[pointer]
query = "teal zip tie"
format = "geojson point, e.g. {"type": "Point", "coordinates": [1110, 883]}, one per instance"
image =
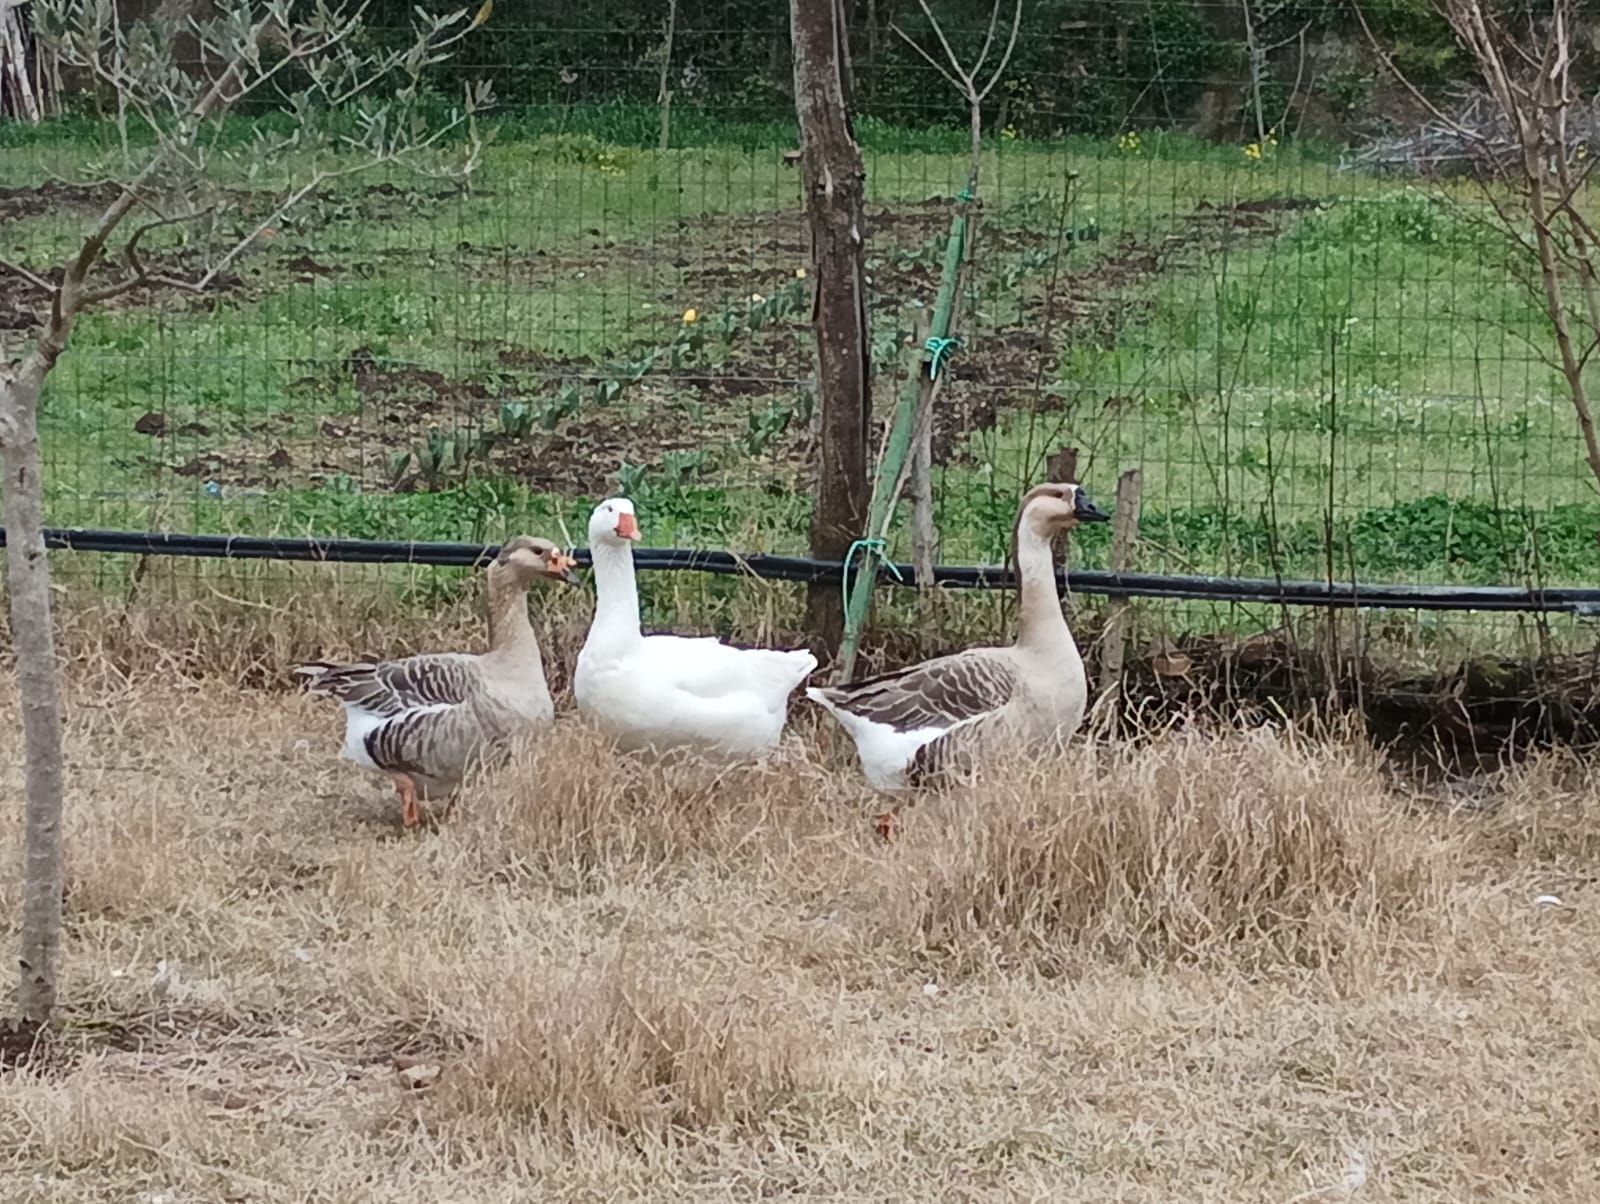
{"type": "Point", "coordinates": [865, 545]}
{"type": "Point", "coordinates": [940, 350]}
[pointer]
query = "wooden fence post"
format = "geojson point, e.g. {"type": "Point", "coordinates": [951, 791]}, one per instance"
{"type": "Point", "coordinates": [1119, 613]}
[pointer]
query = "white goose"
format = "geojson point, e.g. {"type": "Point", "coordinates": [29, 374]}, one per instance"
{"type": "Point", "coordinates": [915, 723]}
{"type": "Point", "coordinates": [666, 691]}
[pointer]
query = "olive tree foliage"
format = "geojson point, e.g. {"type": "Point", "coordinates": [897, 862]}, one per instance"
{"type": "Point", "coordinates": [181, 176]}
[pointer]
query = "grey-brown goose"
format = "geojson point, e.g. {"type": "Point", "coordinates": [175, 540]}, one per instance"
{"type": "Point", "coordinates": [915, 723]}
{"type": "Point", "coordinates": [425, 720]}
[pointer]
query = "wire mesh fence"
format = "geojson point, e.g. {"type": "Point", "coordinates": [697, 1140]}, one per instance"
{"type": "Point", "coordinates": [1321, 371]}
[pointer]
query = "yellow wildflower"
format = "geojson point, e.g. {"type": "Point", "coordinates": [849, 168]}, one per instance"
{"type": "Point", "coordinates": [799, 273]}
{"type": "Point", "coordinates": [691, 316]}
{"type": "Point", "coordinates": [1253, 152]}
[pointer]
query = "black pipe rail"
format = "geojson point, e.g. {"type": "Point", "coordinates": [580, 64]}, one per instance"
{"type": "Point", "coordinates": [1344, 594]}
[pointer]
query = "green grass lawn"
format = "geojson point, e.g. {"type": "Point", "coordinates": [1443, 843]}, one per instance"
{"type": "Point", "coordinates": [1287, 351]}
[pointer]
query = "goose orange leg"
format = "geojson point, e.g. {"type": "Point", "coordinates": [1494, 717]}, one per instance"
{"type": "Point", "coordinates": [410, 814]}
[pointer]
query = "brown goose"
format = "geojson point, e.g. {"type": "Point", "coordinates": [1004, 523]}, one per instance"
{"type": "Point", "coordinates": [426, 719]}
{"type": "Point", "coordinates": [913, 724]}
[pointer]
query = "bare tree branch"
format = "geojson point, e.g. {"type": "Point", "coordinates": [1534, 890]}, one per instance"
{"type": "Point", "coordinates": [1404, 81]}
{"type": "Point", "coordinates": [988, 41]}
{"type": "Point", "coordinates": [1005, 59]}
{"type": "Point", "coordinates": [38, 282]}
{"type": "Point", "coordinates": [938, 32]}
{"type": "Point", "coordinates": [935, 63]}
{"type": "Point", "coordinates": [964, 80]}
{"type": "Point", "coordinates": [141, 277]}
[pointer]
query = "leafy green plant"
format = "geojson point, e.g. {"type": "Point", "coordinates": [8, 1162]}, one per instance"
{"type": "Point", "coordinates": [583, 150]}
{"type": "Point", "coordinates": [887, 344]}
{"type": "Point", "coordinates": [563, 405]}
{"type": "Point", "coordinates": [437, 458]}
{"type": "Point", "coordinates": [632, 479]}
{"type": "Point", "coordinates": [805, 405]}
{"type": "Point", "coordinates": [764, 426]}
{"type": "Point", "coordinates": [930, 253]}
{"type": "Point", "coordinates": [680, 468]}
{"type": "Point", "coordinates": [1347, 90]}
{"type": "Point", "coordinates": [517, 419]}
{"type": "Point", "coordinates": [443, 457]}
{"type": "Point", "coordinates": [397, 464]}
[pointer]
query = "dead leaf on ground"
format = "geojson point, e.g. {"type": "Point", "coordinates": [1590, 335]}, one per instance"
{"type": "Point", "coordinates": [416, 1073]}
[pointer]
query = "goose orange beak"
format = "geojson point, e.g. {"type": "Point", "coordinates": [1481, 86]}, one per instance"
{"type": "Point", "coordinates": [561, 568]}
{"type": "Point", "coordinates": [627, 527]}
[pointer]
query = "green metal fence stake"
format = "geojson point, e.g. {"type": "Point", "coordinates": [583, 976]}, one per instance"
{"type": "Point", "coordinates": [870, 550]}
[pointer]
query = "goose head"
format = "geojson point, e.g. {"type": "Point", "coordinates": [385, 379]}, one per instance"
{"type": "Point", "coordinates": [1052, 508]}
{"type": "Point", "coordinates": [613, 524]}
{"type": "Point", "coordinates": [526, 559]}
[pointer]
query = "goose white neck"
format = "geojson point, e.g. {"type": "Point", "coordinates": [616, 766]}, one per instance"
{"type": "Point", "coordinates": [1042, 621]}
{"type": "Point", "coordinates": [616, 603]}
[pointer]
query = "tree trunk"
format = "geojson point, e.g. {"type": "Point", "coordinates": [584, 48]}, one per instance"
{"type": "Point", "coordinates": [1216, 112]}
{"type": "Point", "coordinates": [19, 95]}
{"type": "Point", "coordinates": [664, 91]}
{"type": "Point", "coordinates": [33, 638]}
{"type": "Point", "coordinates": [835, 190]}
{"type": "Point", "coordinates": [847, 70]}
{"type": "Point", "coordinates": [1119, 615]}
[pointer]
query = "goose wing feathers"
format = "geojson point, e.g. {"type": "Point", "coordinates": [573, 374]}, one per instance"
{"type": "Point", "coordinates": [943, 693]}
{"type": "Point", "coordinates": [388, 689]}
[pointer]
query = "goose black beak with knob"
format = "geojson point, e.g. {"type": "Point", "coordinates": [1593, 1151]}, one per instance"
{"type": "Point", "coordinates": [1084, 509]}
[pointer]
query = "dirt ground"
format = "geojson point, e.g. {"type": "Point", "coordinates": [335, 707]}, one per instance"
{"type": "Point", "coordinates": [1193, 968]}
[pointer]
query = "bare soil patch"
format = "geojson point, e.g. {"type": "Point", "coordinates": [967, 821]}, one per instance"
{"type": "Point", "coordinates": [51, 197]}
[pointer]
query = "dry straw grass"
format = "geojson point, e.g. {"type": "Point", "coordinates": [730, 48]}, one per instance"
{"type": "Point", "coordinates": [1181, 846]}
{"type": "Point", "coordinates": [1198, 966]}
{"type": "Point", "coordinates": [646, 1061]}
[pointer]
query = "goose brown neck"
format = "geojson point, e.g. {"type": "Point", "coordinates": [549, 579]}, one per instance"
{"type": "Point", "coordinates": [509, 628]}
